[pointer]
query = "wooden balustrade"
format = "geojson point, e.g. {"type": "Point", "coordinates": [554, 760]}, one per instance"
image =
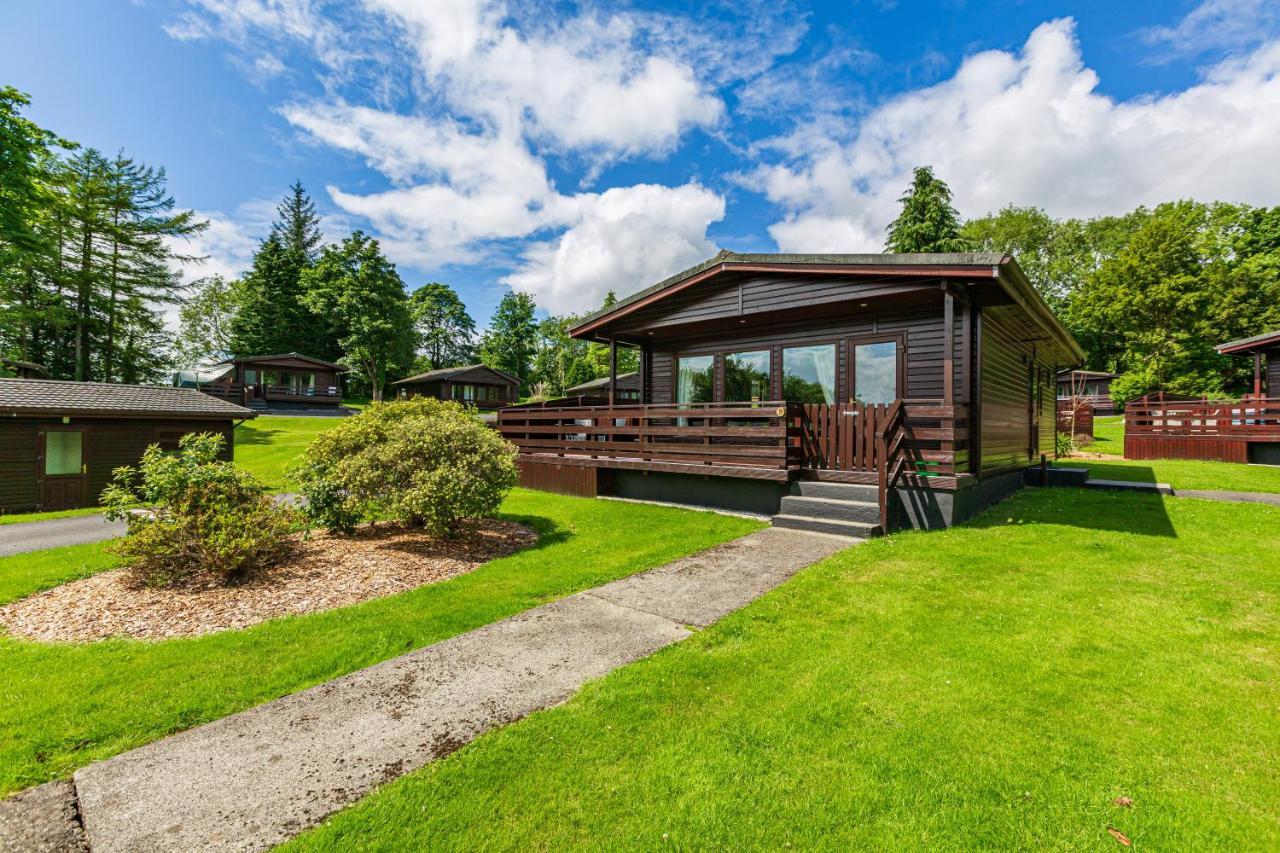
{"type": "Point", "coordinates": [1157, 427]}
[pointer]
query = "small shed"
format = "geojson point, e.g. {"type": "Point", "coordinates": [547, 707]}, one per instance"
{"type": "Point", "coordinates": [628, 388]}
{"type": "Point", "coordinates": [23, 369]}
{"type": "Point", "coordinates": [1087, 386]}
{"type": "Point", "coordinates": [60, 441]}
{"type": "Point", "coordinates": [481, 386]}
{"type": "Point", "coordinates": [1265, 350]}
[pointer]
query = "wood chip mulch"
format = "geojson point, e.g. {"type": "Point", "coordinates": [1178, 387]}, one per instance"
{"type": "Point", "coordinates": [327, 571]}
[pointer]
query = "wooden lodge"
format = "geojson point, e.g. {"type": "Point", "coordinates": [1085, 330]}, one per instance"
{"type": "Point", "coordinates": [1087, 386]}
{"type": "Point", "coordinates": [626, 389]}
{"type": "Point", "coordinates": [927, 379]}
{"type": "Point", "coordinates": [62, 440]}
{"type": "Point", "coordinates": [1162, 426]}
{"type": "Point", "coordinates": [486, 388]}
{"type": "Point", "coordinates": [285, 381]}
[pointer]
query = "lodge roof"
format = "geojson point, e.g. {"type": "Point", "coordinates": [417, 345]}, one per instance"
{"type": "Point", "coordinates": [1096, 374]}
{"type": "Point", "coordinates": [443, 373]}
{"type": "Point", "coordinates": [244, 359]}
{"type": "Point", "coordinates": [626, 382]}
{"type": "Point", "coordinates": [992, 265]}
{"type": "Point", "coordinates": [1266, 340]}
{"type": "Point", "coordinates": [57, 397]}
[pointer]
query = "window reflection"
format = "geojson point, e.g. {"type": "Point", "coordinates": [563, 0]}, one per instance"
{"type": "Point", "coordinates": [875, 371]}
{"type": "Point", "coordinates": [695, 378]}
{"type": "Point", "coordinates": [809, 374]}
{"type": "Point", "coordinates": [746, 376]}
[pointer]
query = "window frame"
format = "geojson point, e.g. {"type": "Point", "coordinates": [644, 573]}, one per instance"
{"type": "Point", "coordinates": [851, 367]}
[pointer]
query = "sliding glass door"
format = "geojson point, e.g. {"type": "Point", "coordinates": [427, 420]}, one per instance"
{"type": "Point", "coordinates": [809, 374]}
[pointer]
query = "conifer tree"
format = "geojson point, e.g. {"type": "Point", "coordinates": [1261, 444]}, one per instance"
{"type": "Point", "coordinates": [446, 330]}
{"type": "Point", "coordinates": [297, 225]}
{"type": "Point", "coordinates": [928, 222]}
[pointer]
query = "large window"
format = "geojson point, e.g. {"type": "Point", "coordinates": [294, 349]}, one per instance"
{"type": "Point", "coordinates": [62, 452]}
{"type": "Point", "coordinates": [746, 376]}
{"type": "Point", "coordinates": [875, 372]}
{"type": "Point", "coordinates": [809, 374]}
{"type": "Point", "coordinates": [695, 378]}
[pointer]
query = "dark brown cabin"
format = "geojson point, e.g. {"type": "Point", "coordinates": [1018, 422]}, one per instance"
{"type": "Point", "coordinates": [1265, 351]}
{"type": "Point", "coordinates": [285, 381]}
{"type": "Point", "coordinates": [60, 441]}
{"type": "Point", "coordinates": [486, 388]}
{"type": "Point", "coordinates": [1087, 386]}
{"type": "Point", "coordinates": [627, 389]}
{"type": "Point", "coordinates": [927, 380]}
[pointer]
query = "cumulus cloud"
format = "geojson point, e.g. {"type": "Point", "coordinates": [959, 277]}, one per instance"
{"type": "Point", "coordinates": [1216, 25]}
{"type": "Point", "coordinates": [620, 240]}
{"type": "Point", "coordinates": [1031, 128]}
{"type": "Point", "coordinates": [226, 246]}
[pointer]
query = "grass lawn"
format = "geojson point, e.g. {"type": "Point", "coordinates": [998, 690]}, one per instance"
{"type": "Point", "coordinates": [996, 685]}
{"type": "Point", "coordinates": [19, 517]}
{"type": "Point", "coordinates": [64, 706]}
{"type": "Point", "coordinates": [1108, 435]}
{"type": "Point", "coordinates": [1183, 473]}
{"type": "Point", "coordinates": [267, 445]}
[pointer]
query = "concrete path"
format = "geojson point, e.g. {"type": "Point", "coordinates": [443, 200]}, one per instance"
{"type": "Point", "coordinates": [257, 778]}
{"type": "Point", "coordinates": [1233, 497]}
{"type": "Point", "coordinates": [56, 532]}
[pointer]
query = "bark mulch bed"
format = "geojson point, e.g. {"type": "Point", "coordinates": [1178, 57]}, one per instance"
{"type": "Point", "coordinates": [327, 571]}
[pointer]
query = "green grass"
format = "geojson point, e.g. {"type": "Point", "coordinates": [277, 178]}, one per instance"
{"type": "Point", "coordinates": [996, 685]}
{"type": "Point", "coordinates": [1108, 436]}
{"type": "Point", "coordinates": [266, 446]}
{"type": "Point", "coordinates": [1183, 473]}
{"type": "Point", "coordinates": [20, 517]}
{"type": "Point", "coordinates": [64, 706]}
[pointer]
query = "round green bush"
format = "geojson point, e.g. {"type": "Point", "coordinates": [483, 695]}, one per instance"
{"type": "Point", "coordinates": [422, 462]}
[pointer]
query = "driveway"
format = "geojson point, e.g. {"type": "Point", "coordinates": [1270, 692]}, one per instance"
{"type": "Point", "coordinates": [56, 532]}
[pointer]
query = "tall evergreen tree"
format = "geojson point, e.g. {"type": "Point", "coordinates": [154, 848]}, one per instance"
{"type": "Point", "coordinates": [446, 330]}
{"type": "Point", "coordinates": [928, 222]}
{"type": "Point", "coordinates": [297, 224]}
{"type": "Point", "coordinates": [509, 342]}
{"type": "Point", "coordinates": [361, 292]}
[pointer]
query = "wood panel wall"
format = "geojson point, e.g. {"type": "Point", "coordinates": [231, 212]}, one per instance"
{"type": "Point", "coordinates": [921, 324]}
{"type": "Point", "coordinates": [1007, 361]}
{"type": "Point", "coordinates": [109, 444]}
{"type": "Point", "coordinates": [1210, 448]}
{"type": "Point", "coordinates": [579, 481]}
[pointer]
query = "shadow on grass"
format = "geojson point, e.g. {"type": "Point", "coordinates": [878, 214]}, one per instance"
{"type": "Point", "coordinates": [1139, 513]}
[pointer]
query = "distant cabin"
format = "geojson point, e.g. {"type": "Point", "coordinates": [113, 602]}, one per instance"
{"type": "Point", "coordinates": [1088, 386]}
{"type": "Point", "coordinates": [14, 368]}
{"type": "Point", "coordinates": [283, 382]}
{"type": "Point", "coordinates": [62, 440]}
{"type": "Point", "coordinates": [1264, 349]}
{"type": "Point", "coordinates": [628, 388]}
{"type": "Point", "coordinates": [486, 388]}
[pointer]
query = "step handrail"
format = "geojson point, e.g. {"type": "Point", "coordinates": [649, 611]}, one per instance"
{"type": "Point", "coordinates": [890, 458]}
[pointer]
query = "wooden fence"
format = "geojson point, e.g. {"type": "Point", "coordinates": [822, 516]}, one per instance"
{"type": "Point", "coordinates": [1157, 427]}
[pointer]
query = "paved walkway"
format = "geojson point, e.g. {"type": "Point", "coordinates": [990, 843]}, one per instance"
{"type": "Point", "coordinates": [1234, 497]}
{"type": "Point", "coordinates": [56, 532]}
{"type": "Point", "coordinates": [257, 778]}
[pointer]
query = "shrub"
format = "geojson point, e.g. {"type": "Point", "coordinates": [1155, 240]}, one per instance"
{"type": "Point", "coordinates": [422, 462]}
{"type": "Point", "coordinates": [199, 516]}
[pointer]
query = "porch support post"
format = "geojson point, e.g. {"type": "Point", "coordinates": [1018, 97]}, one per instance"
{"type": "Point", "coordinates": [949, 347]}
{"type": "Point", "coordinates": [644, 373]}
{"type": "Point", "coordinates": [613, 371]}
{"type": "Point", "coordinates": [1257, 374]}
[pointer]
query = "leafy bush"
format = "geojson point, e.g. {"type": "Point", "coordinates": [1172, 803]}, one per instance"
{"type": "Point", "coordinates": [422, 462]}
{"type": "Point", "coordinates": [198, 516]}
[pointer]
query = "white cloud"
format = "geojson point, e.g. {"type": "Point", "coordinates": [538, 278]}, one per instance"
{"type": "Point", "coordinates": [1217, 25]}
{"type": "Point", "coordinates": [623, 239]}
{"type": "Point", "coordinates": [1031, 128]}
{"type": "Point", "coordinates": [227, 244]}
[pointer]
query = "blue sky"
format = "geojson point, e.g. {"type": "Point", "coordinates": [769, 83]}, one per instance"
{"type": "Point", "coordinates": [567, 149]}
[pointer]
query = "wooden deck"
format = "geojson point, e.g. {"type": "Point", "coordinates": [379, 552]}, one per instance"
{"type": "Point", "coordinates": [1160, 428]}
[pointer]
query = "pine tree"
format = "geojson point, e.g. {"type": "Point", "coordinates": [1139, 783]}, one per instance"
{"type": "Point", "coordinates": [271, 304]}
{"type": "Point", "coordinates": [928, 222]}
{"type": "Point", "coordinates": [297, 225]}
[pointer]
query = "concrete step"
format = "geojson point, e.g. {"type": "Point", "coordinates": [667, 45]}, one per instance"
{"type": "Point", "coordinates": [867, 512]}
{"type": "Point", "coordinates": [851, 529]}
{"type": "Point", "coordinates": [839, 491]}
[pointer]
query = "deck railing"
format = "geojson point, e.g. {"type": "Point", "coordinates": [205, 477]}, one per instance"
{"type": "Point", "coordinates": [734, 439]}
{"type": "Point", "coordinates": [1250, 418]}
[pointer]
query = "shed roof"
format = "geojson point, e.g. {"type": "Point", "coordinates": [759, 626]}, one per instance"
{"type": "Point", "coordinates": [443, 373]}
{"type": "Point", "coordinates": [1094, 374]}
{"type": "Point", "coordinates": [989, 265]}
{"type": "Point", "coordinates": [104, 399]}
{"type": "Point", "coordinates": [1266, 340]}
{"type": "Point", "coordinates": [15, 364]}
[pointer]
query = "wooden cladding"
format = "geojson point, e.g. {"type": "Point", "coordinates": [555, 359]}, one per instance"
{"type": "Point", "coordinates": [1159, 428]}
{"type": "Point", "coordinates": [1081, 423]}
{"type": "Point", "coordinates": [579, 481]}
